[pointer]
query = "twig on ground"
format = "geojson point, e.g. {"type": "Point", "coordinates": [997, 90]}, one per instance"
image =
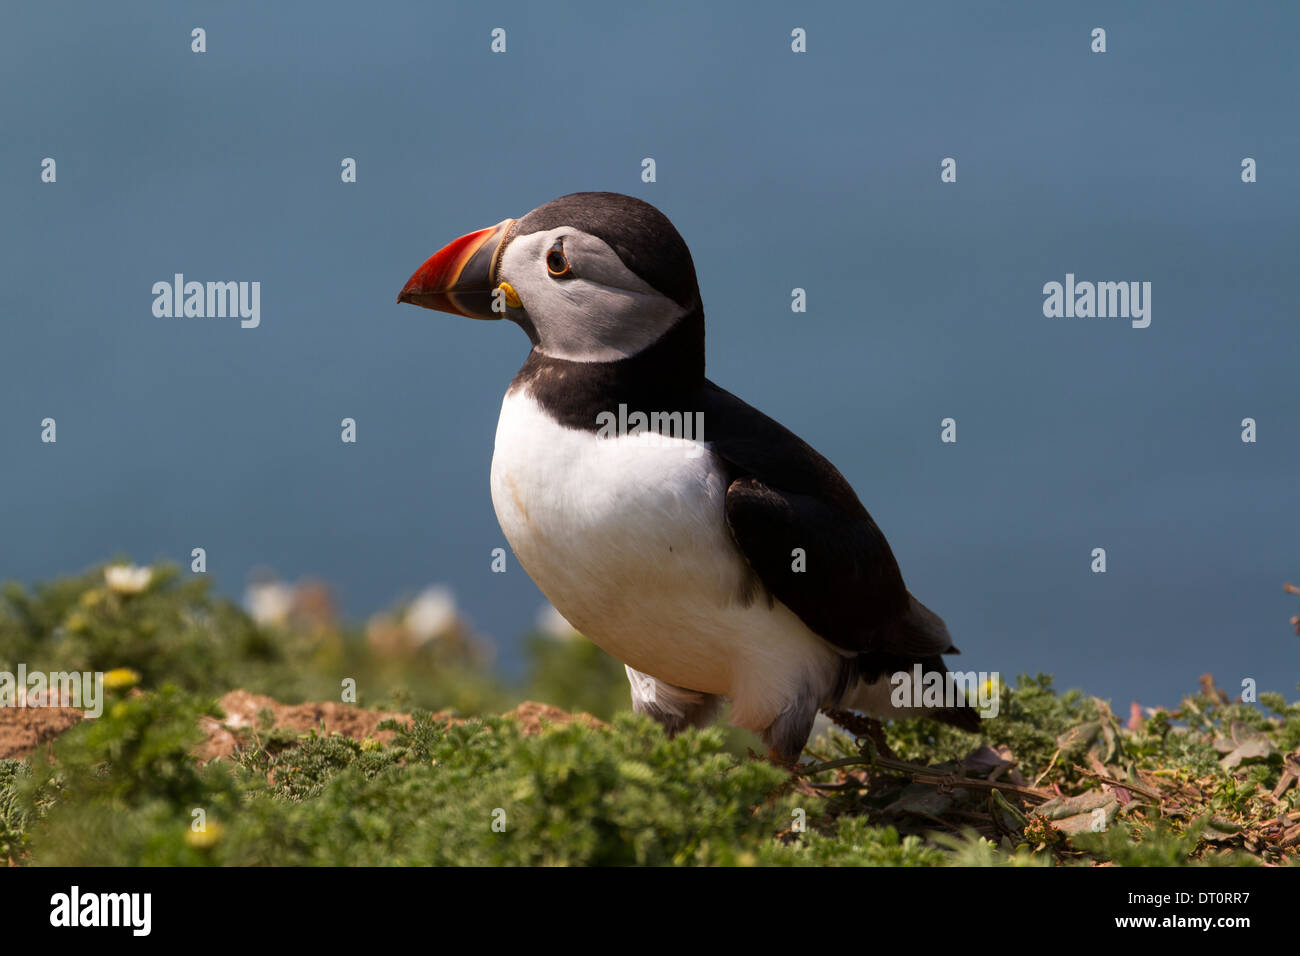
{"type": "Point", "coordinates": [924, 775]}
{"type": "Point", "coordinates": [1149, 794]}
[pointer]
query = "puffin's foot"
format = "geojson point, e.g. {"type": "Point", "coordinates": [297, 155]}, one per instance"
{"type": "Point", "coordinates": [775, 759]}
{"type": "Point", "coordinates": [862, 726]}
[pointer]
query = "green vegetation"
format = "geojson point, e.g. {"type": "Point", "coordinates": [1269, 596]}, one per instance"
{"type": "Point", "coordinates": [1056, 779]}
{"type": "Point", "coordinates": [175, 631]}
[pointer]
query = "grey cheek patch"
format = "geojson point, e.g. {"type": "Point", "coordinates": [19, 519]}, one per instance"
{"type": "Point", "coordinates": [603, 314]}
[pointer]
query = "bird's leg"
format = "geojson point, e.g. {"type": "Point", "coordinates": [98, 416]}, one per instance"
{"type": "Point", "coordinates": [876, 734]}
{"type": "Point", "coordinates": [785, 737]}
{"type": "Point", "coordinates": [863, 727]}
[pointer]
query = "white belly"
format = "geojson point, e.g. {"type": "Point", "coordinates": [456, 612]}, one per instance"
{"type": "Point", "coordinates": [629, 541]}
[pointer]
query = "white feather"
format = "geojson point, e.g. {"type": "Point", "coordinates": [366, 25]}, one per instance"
{"type": "Point", "coordinates": [628, 540]}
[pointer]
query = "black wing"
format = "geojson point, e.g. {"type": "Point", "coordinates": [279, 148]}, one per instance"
{"type": "Point", "coordinates": [783, 500]}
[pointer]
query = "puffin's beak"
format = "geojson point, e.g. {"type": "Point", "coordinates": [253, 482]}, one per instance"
{"type": "Point", "coordinates": [460, 277]}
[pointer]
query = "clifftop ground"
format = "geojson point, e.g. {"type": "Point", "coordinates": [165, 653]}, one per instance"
{"type": "Point", "coordinates": [224, 741]}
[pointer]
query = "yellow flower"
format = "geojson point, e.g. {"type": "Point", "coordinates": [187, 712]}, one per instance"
{"type": "Point", "coordinates": [121, 677]}
{"type": "Point", "coordinates": [206, 838]}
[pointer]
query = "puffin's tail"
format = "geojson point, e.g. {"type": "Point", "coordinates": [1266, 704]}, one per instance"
{"type": "Point", "coordinates": [887, 684]}
{"type": "Point", "coordinates": [887, 688]}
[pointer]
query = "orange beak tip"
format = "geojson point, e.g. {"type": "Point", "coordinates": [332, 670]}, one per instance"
{"type": "Point", "coordinates": [457, 278]}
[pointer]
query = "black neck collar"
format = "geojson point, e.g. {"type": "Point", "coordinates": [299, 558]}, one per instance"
{"type": "Point", "coordinates": [667, 376]}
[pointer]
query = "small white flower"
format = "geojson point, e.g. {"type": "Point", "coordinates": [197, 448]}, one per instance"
{"type": "Point", "coordinates": [431, 614]}
{"type": "Point", "coordinates": [127, 578]}
{"type": "Point", "coordinates": [269, 602]}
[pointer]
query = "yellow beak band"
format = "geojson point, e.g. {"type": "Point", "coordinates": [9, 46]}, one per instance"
{"type": "Point", "coordinates": [512, 299]}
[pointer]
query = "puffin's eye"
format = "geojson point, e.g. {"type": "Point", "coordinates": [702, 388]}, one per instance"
{"type": "Point", "coordinates": [557, 263]}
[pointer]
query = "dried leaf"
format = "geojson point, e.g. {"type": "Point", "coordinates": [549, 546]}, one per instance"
{"type": "Point", "coordinates": [1252, 746]}
{"type": "Point", "coordinates": [1291, 763]}
{"type": "Point", "coordinates": [921, 798]}
{"type": "Point", "coordinates": [1059, 808]}
{"type": "Point", "coordinates": [985, 761]}
{"type": "Point", "coordinates": [1087, 813]}
{"type": "Point", "coordinates": [1284, 784]}
{"type": "Point", "coordinates": [1243, 732]}
{"type": "Point", "coordinates": [1079, 736]}
{"type": "Point", "coordinates": [1219, 829]}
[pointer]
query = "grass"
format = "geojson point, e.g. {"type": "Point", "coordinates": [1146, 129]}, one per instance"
{"type": "Point", "coordinates": [1056, 779]}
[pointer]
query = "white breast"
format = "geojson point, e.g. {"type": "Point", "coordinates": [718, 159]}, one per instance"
{"type": "Point", "coordinates": [628, 539]}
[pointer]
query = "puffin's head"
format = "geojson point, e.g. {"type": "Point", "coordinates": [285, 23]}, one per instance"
{"type": "Point", "coordinates": [591, 277]}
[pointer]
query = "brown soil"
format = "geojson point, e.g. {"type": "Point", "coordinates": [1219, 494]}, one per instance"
{"type": "Point", "coordinates": [23, 729]}
{"type": "Point", "coordinates": [530, 715]}
{"type": "Point", "coordinates": [242, 710]}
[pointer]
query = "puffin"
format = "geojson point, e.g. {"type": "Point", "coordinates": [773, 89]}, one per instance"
{"type": "Point", "coordinates": [705, 546]}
